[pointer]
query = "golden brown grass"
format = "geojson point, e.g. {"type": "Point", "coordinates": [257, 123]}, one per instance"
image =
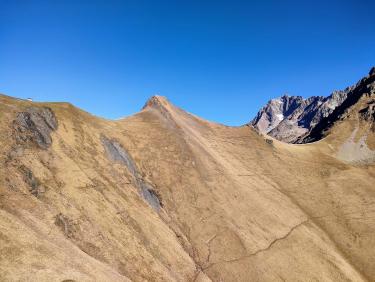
{"type": "Point", "coordinates": [235, 207]}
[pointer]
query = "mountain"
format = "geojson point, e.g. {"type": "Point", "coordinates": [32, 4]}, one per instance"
{"type": "Point", "coordinates": [164, 195]}
{"type": "Point", "coordinates": [291, 118]}
{"type": "Point", "coordinates": [288, 117]}
{"type": "Point", "coordinates": [363, 90]}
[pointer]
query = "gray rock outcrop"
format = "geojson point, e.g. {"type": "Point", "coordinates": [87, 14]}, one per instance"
{"type": "Point", "coordinates": [291, 118]}
{"type": "Point", "coordinates": [34, 126]}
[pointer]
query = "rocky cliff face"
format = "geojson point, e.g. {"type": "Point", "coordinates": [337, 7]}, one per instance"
{"type": "Point", "coordinates": [296, 124]}
{"type": "Point", "coordinates": [365, 87]}
{"type": "Point", "coordinates": [298, 121]}
{"type": "Point", "coordinates": [276, 110]}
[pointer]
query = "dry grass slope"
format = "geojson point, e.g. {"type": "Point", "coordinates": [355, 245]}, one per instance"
{"type": "Point", "coordinates": [166, 196]}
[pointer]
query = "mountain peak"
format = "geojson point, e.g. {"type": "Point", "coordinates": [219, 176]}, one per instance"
{"type": "Point", "coordinates": [163, 106]}
{"type": "Point", "coordinates": [156, 101]}
{"type": "Point", "coordinates": [275, 111]}
{"type": "Point", "coordinates": [292, 118]}
{"type": "Point", "coordinates": [288, 117]}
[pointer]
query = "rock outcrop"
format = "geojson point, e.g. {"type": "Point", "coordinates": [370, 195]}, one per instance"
{"type": "Point", "coordinates": [276, 110]}
{"type": "Point", "coordinates": [365, 87]}
{"type": "Point", "coordinates": [34, 125]}
{"type": "Point", "coordinates": [117, 153]}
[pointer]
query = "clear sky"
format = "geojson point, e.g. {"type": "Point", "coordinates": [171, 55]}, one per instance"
{"type": "Point", "coordinates": [221, 60]}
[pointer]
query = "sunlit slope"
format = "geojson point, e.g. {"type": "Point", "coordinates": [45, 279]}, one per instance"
{"type": "Point", "coordinates": [268, 190]}
{"type": "Point", "coordinates": [166, 196]}
{"type": "Point", "coordinates": [87, 221]}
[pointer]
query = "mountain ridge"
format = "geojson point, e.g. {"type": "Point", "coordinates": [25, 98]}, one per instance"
{"type": "Point", "coordinates": [164, 195]}
{"type": "Point", "coordinates": [294, 126]}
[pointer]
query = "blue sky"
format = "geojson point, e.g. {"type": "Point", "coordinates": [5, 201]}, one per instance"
{"type": "Point", "coordinates": [221, 60]}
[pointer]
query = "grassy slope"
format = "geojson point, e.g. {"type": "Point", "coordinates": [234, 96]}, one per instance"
{"type": "Point", "coordinates": [234, 207]}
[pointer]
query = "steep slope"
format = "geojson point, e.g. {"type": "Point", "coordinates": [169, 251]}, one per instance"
{"type": "Point", "coordinates": [70, 210]}
{"type": "Point", "coordinates": [166, 196]}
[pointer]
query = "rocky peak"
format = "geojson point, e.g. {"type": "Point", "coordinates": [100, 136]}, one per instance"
{"type": "Point", "coordinates": [275, 111]}
{"type": "Point", "coordinates": [292, 118]}
{"type": "Point", "coordinates": [289, 117]}
{"type": "Point", "coordinates": [280, 109]}
{"type": "Point", "coordinates": [344, 100]}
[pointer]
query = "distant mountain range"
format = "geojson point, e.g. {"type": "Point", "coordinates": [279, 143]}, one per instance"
{"type": "Point", "coordinates": [293, 119]}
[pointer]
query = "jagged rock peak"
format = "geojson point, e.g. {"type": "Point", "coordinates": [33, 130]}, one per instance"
{"type": "Point", "coordinates": [291, 118]}
{"type": "Point", "coordinates": [287, 117]}
{"type": "Point", "coordinates": [276, 110]}
{"type": "Point", "coordinates": [352, 95]}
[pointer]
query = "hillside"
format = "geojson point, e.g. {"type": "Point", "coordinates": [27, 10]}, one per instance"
{"type": "Point", "coordinates": [166, 196]}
